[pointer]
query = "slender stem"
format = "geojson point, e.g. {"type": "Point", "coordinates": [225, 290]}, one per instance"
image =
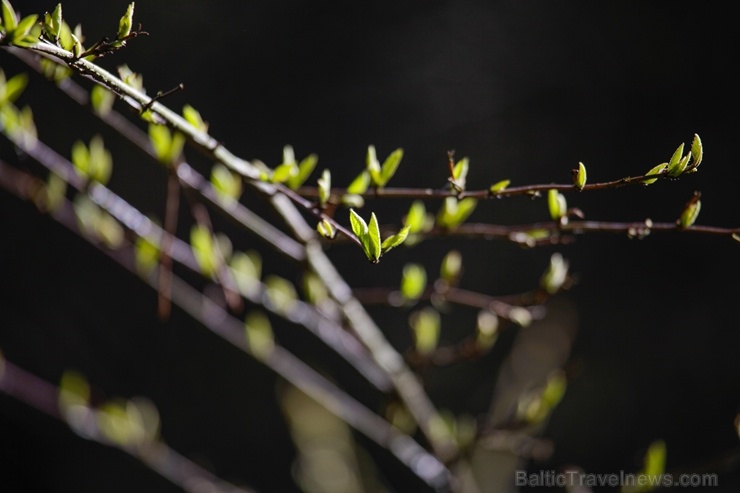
{"type": "Point", "coordinates": [444, 192]}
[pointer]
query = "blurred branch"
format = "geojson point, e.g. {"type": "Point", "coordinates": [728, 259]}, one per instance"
{"type": "Point", "coordinates": [406, 383]}
{"type": "Point", "coordinates": [278, 359]}
{"type": "Point", "coordinates": [153, 453]}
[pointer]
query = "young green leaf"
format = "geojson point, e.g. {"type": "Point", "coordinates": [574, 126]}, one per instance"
{"type": "Point", "coordinates": [101, 163]}
{"type": "Point", "coordinates": [204, 249]}
{"type": "Point", "coordinates": [359, 226]}
{"type": "Point", "coordinates": [109, 231]}
{"type": "Point", "coordinates": [23, 29]}
{"type": "Point", "coordinates": [390, 165]}
{"type": "Point", "coordinates": [324, 187]}
{"type": "Point", "coordinates": [499, 186]}
{"type": "Point", "coordinates": [314, 289]}
{"type": "Point", "coordinates": [54, 22]}
{"type": "Point", "coordinates": [454, 212]}
{"type": "Point", "coordinates": [373, 166]}
{"type": "Point", "coordinates": [655, 458]}
{"type": "Point", "coordinates": [416, 217]}
{"type": "Point", "coordinates": [359, 184]}
{"type": "Point", "coordinates": [656, 170]}
{"type": "Point", "coordinates": [102, 100]}
{"type": "Point", "coordinates": [426, 327]}
{"type": "Point", "coordinates": [697, 152]}
{"type": "Point", "coordinates": [281, 292]}
{"type": "Point", "coordinates": [125, 23]}
{"type": "Point", "coordinates": [556, 274]}
{"type": "Point", "coordinates": [556, 204]}
{"type": "Point", "coordinates": [10, 19]}
{"type": "Point", "coordinates": [146, 254]}
{"type": "Point", "coordinates": [12, 88]}
{"type": "Point", "coordinates": [56, 190]}
{"type": "Point", "coordinates": [486, 329]}
{"type": "Point", "coordinates": [460, 172]}
{"type": "Point", "coordinates": [259, 334]}
{"type": "Point", "coordinates": [76, 46]}
{"type": "Point", "coordinates": [373, 233]}
{"type": "Point", "coordinates": [246, 268]}
{"type": "Point", "coordinates": [326, 229]}
{"type": "Point", "coordinates": [690, 212]}
{"type": "Point", "coordinates": [451, 266]}
{"type": "Point", "coordinates": [226, 183]}
{"type": "Point", "coordinates": [193, 117]}
{"type": "Point", "coordinates": [353, 200]}
{"type": "Point", "coordinates": [413, 281]}
{"type": "Point", "coordinates": [305, 168]}
{"type": "Point", "coordinates": [161, 139]}
{"type": "Point", "coordinates": [677, 154]}
{"type": "Point", "coordinates": [677, 164]}
{"type": "Point", "coordinates": [284, 172]}
{"type": "Point", "coordinates": [394, 240]}
{"type": "Point", "coordinates": [579, 176]}
{"type": "Point", "coordinates": [81, 158]}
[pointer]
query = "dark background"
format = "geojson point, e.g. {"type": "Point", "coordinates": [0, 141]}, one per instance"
{"type": "Point", "coordinates": [526, 90]}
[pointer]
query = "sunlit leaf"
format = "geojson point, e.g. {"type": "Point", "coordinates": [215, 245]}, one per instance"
{"type": "Point", "coordinates": [102, 100]}
{"type": "Point", "coordinates": [697, 152]}
{"type": "Point", "coordinates": [426, 326]}
{"type": "Point", "coordinates": [460, 172]}
{"type": "Point", "coordinates": [194, 118]}
{"type": "Point", "coordinates": [259, 334]}
{"type": "Point", "coordinates": [146, 254]}
{"type": "Point", "coordinates": [556, 274]}
{"type": "Point", "coordinates": [690, 212]}
{"type": "Point", "coordinates": [499, 186]}
{"type": "Point", "coordinates": [226, 183]}
{"type": "Point", "coordinates": [353, 200]}
{"type": "Point", "coordinates": [125, 23]}
{"type": "Point", "coordinates": [359, 226]}
{"type": "Point", "coordinates": [324, 187]}
{"type": "Point", "coordinates": [204, 249]}
{"type": "Point", "coordinates": [281, 292]}
{"type": "Point", "coordinates": [579, 176]}
{"type": "Point", "coordinates": [10, 19]}
{"type": "Point", "coordinates": [246, 269]}
{"type": "Point", "coordinates": [677, 165]}
{"type": "Point", "coordinates": [413, 281]}
{"type": "Point", "coordinates": [486, 329]}
{"type": "Point", "coordinates": [24, 28]}
{"type": "Point", "coordinates": [390, 165]}
{"type": "Point", "coordinates": [326, 229]}
{"type": "Point", "coordinates": [284, 172]}
{"type": "Point", "coordinates": [373, 166]}
{"type": "Point", "coordinates": [101, 162]}
{"type": "Point", "coordinates": [359, 184]}
{"type": "Point", "coordinates": [416, 217]}
{"type": "Point", "coordinates": [53, 24]}
{"type": "Point", "coordinates": [395, 240]}
{"type": "Point", "coordinates": [451, 267]}
{"type": "Point", "coordinates": [556, 204]}
{"type": "Point", "coordinates": [454, 212]}
{"type": "Point", "coordinates": [305, 168]}
{"type": "Point", "coordinates": [373, 233]}
{"type": "Point", "coordinates": [655, 170]}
